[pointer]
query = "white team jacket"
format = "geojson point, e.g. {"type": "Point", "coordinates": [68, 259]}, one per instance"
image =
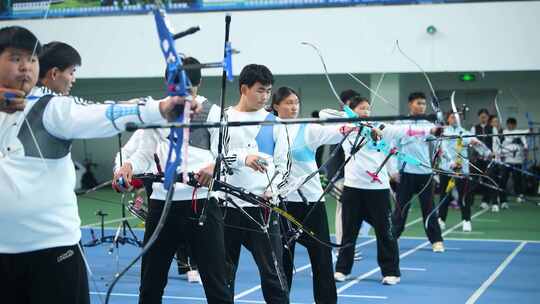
{"type": "Point", "coordinates": [38, 207]}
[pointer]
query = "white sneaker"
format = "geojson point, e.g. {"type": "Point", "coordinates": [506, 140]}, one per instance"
{"type": "Point", "coordinates": [438, 247]}
{"type": "Point", "coordinates": [193, 276]}
{"type": "Point", "coordinates": [467, 226]}
{"type": "Point", "coordinates": [520, 198]}
{"type": "Point", "coordinates": [442, 224]}
{"type": "Point", "coordinates": [391, 280]}
{"type": "Point", "coordinates": [494, 208]}
{"type": "Point", "coordinates": [505, 205]}
{"type": "Point", "coordinates": [340, 277]}
{"type": "Point", "coordinates": [484, 205]}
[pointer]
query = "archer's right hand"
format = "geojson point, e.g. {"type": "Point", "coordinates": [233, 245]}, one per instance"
{"type": "Point", "coordinates": [256, 163]}
{"type": "Point", "coordinates": [204, 175]}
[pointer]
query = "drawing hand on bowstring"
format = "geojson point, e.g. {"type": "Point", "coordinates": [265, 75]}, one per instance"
{"type": "Point", "coordinates": [256, 163]}
{"type": "Point", "coordinates": [11, 100]}
{"type": "Point", "coordinates": [204, 175]}
{"type": "Point", "coordinates": [170, 110]}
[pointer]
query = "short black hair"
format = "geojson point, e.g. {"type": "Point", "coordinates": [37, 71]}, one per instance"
{"type": "Point", "coordinates": [194, 75]}
{"type": "Point", "coordinates": [483, 111]}
{"type": "Point", "coordinates": [315, 114]}
{"type": "Point", "coordinates": [57, 55]}
{"type": "Point", "coordinates": [253, 73]}
{"type": "Point", "coordinates": [416, 95]}
{"type": "Point", "coordinates": [356, 100]}
{"type": "Point", "coordinates": [511, 120]}
{"type": "Point", "coordinates": [348, 95]}
{"type": "Point", "coordinates": [18, 37]}
{"type": "Point", "coordinates": [279, 95]}
{"type": "Point", "coordinates": [491, 117]}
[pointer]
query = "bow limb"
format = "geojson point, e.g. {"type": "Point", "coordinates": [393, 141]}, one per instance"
{"type": "Point", "coordinates": [177, 85]}
{"type": "Point", "coordinates": [379, 83]}
{"type": "Point", "coordinates": [497, 109]}
{"type": "Point", "coordinates": [326, 74]}
{"type": "Point", "coordinates": [498, 147]}
{"type": "Point", "coordinates": [332, 87]}
{"type": "Point", "coordinates": [435, 104]}
{"type": "Point", "coordinates": [349, 113]}
{"type": "Point", "coordinates": [374, 92]}
{"type": "Point", "coordinates": [331, 84]}
{"type": "Point", "coordinates": [454, 109]}
{"type": "Point", "coordinates": [258, 200]}
{"type": "Point", "coordinates": [426, 76]}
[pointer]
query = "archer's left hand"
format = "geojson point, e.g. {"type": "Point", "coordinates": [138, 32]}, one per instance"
{"type": "Point", "coordinates": [168, 107]}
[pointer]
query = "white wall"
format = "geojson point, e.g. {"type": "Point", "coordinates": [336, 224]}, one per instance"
{"type": "Point", "coordinates": [498, 36]}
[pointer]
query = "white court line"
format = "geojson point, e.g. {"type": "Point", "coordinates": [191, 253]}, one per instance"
{"type": "Point", "coordinates": [495, 274]}
{"type": "Point", "coordinates": [412, 269]}
{"type": "Point", "coordinates": [251, 290]}
{"type": "Point", "coordinates": [307, 266]}
{"type": "Point", "coordinates": [246, 292]}
{"type": "Point", "coordinates": [413, 222]}
{"type": "Point", "coordinates": [468, 233]}
{"type": "Point", "coordinates": [495, 240]}
{"type": "Point", "coordinates": [403, 255]}
{"type": "Point", "coordinates": [419, 219]}
{"type": "Point", "coordinates": [132, 295]}
{"type": "Point", "coordinates": [109, 222]}
{"type": "Point", "coordinates": [364, 297]}
{"type": "Point", "coordinates": [488, 221]}
{"type": "Point", "coordinates": [472, 240]}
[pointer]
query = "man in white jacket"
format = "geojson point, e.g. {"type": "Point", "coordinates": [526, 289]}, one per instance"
{"type": "Point", "coordinates": [205, 241]}
{"type": "Point", "coordinates": [40, 261]}
{"type": "Point", "coordinates": [513, 152]}
{"type": "Point", "coordinates": [254, 154]}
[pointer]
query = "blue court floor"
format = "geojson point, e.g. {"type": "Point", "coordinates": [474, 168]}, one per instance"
{"type": "Point", "coordinates": [479, 271]}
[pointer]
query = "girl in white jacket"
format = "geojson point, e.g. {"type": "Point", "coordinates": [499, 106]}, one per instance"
{"type": "Point", "coordinates": [366, 197]}
{"type": "Point", "coordinates": [303, 203]}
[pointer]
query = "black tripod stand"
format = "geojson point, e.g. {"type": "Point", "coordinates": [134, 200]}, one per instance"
{"type": "Point", "coordinates": [121, 236]}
